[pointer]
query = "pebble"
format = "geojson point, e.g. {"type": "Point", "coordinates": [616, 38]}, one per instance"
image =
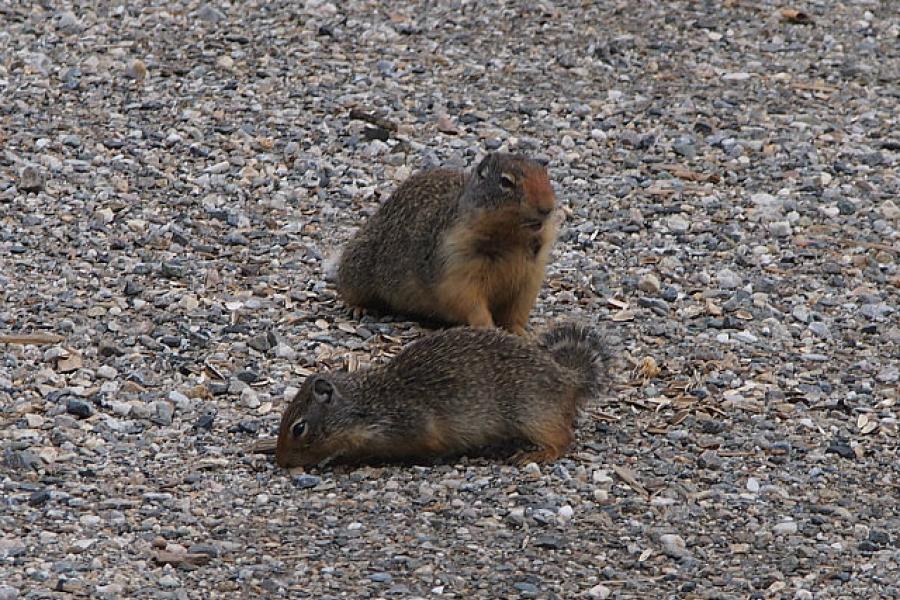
{"type": "Point", "coordinates": [107, 372]}
{"type": "Point", "coordinates": [162, 413]}
{"type": "Point", "coordinates": [649, 283]}
{"type": "Point", "coordinates": [785, 528]}
{"type": "Point", "coordinates": [31, 179]}
{"type": "Point", "coordinates": [210, 14]}
{"type": "Point", "coordinates": [306, 481]}
{"type": "Point", "coordinates": [68, 22]}
{"type": "Point", "coordinates": [11, 547]}
{"type": "Point", "coordinates": [674, 545]}
{"type": "Point", "coordinates": [599, 592]}
{"type": "Point", "coordinates": [728, 279]}
{"type": "Point", "coordinates": [709, 459]}
{"type": "Point", "coordinates": [678, 224]}
{"type": "Point", "coordinates": [79, 408]}
{"type": "Point", "coordinates": [780, 228]}
{"type": "Point", "coordinates": [890, 210]}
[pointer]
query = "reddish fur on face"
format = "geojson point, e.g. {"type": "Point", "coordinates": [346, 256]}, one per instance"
{"type": "Point", "coordinates": [538, 190]}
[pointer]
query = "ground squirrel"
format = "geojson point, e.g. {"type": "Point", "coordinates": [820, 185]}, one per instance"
{"type": "Point", "coordinates": [452, 391]}
{"type": "Point", "coordinates": [462, 248]}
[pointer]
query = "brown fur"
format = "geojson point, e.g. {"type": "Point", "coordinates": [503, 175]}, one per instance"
{"type": "Point", "coordinates": [450, 392]}
{"type": "Point", "coordinates": [465, 249]}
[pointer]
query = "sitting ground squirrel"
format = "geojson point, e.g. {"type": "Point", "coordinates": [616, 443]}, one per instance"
{"type": "Point", "coordinates": [466, 249]}
{"type": "Point", "coordinates": [452, 391]}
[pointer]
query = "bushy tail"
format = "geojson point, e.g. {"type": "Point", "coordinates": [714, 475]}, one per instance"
{"type": "Point", "coordinates": [582, 349]}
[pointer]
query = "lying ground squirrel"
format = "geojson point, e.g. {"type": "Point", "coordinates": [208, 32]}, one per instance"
{"type": "Point", "coordinates": [455, 390]}
{"type": "Point", "coordinates": [462, 248]}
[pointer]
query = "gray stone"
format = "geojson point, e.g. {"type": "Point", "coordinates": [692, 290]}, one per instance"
{"type": "Point", "coordinates": [11, 547]}
{"type": "Point", "coordinates": [31, 179]}
{"type": "Point", "coordinates": [678, 224]}
{"type": "Point", "coordinates": [210, 14]}
{"type": "Point", "coordinates": [649, 283]}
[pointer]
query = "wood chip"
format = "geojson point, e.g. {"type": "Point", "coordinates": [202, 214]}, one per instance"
{"type": "Point", "coordinates": [70, 363]}
{"type": "Point", "coordinates": [623, 315]}
{"type": "Point", "coordinates": [688, 175]}
{"type": "Point", "coordinates": [626, 475]}
{"type": "Point", "coordinates": [164, 557]}
{"type": "Point", "coordinates": [31, 338]}
{"type": "Point", "coordinates": [264, 446]}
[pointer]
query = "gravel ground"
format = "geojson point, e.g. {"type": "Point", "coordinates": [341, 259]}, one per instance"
{"type": "Point", "coordinates": [175, 178]}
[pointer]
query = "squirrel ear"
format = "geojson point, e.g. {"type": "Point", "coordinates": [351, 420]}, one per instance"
{"type": "Point", "coordinates": [322, 390]}
{"type": "Point", "coordinates": [484, 166]}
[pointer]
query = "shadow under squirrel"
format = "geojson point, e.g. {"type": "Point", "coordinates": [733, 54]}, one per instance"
{"type": "Point", "coordinates": [452, 391]}
{"type": "Point", "coordinates": [463, 248]}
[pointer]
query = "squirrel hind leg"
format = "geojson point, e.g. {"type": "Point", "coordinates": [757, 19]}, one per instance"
{"type": "Point", "coordinates": [552, 437]}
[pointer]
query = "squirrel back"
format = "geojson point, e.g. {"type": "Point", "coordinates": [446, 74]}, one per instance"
{"type": "Point", "coordinates": [464, 248]}
{"type": "Point", "coordinates": [452, 391]}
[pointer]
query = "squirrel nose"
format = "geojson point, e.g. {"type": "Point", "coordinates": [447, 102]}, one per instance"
{"type": "Point", "coordinates": [544, 210]}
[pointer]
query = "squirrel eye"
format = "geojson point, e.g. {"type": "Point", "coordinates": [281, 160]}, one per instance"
{"type": "Point", "coordinates": [298, 428]}
{"type": "Point", "coordinates": [507, 181]}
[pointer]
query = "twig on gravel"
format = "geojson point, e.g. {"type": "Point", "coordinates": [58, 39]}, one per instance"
{"type": "Point", "coordinates": [626, 475]}
{"type": "Point", "coordinates": [264, 446]}
{"type": "Point", "coordinates": [31, 338]}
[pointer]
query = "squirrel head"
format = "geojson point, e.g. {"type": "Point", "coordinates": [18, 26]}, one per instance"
{"type": "Point", "coordinates": [307, 424]}
{"type": "Point", "coordinates": [510, 181]}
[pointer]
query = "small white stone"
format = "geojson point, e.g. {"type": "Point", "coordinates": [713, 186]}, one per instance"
{"type": "Point", "coordinates": [120, 408]}
{"type": "Point", "coordinates": [107, 372]}
{"type": "Point", "coordinates": [249, 398]}
{"type": "Point", "coordinates": [785, 528]}
{"type": "Point", "coordinates": [284, 351]}
{"type": "Point", "coordinates": [780, 228]}
{"type": "Point", "coordinates": [601, 476]}
{"type": "Point", "coordinates": [34, 421]}
{"type": "Point", "coordinates": [106, 215]}
{"type": "Point", "coordinates": [533, 469]}
{"type": "Point", "coordinates": [83, 544]}
{"type": "Point", "coordinates": [678, 224]}
{"type": "Point", "coordinates": [177, 397]}
{"type": "Point", "coordinates": [566, 512]}
{"type": "Point", "coordinates": [598, 135]}
{"type": "Point", "coordinates": [728, 279]}
{"type": "Point", "coordinates": [890, 210]}
{"type": "Point", "coordinates": [599, 592]}
{"type": "Point", "coordinates": [753, 484]}
{"type": "Point", "coordinates": [746, 337]}
{"type": "Point", "coordinates": [89, 520]}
